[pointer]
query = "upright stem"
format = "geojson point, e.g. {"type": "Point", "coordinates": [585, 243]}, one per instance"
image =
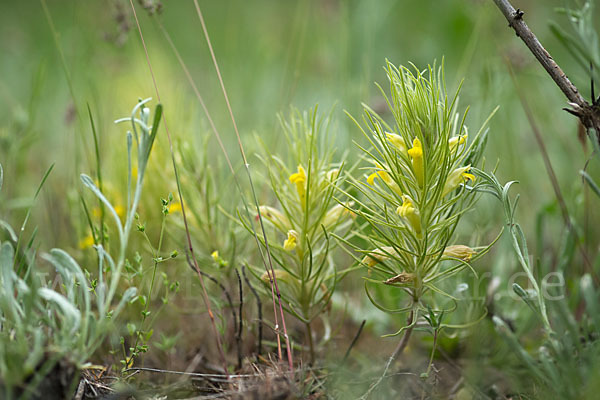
{"type": "Point", "coordinates": [271, 272]}
{"type": "Point", "coordinates": [310, 342]}
{"type": "Point", "coordinates": [399, 349]}
{"type": "Point", "coordinates": [403, 342]}
{"type": "Point", "coordinates": [190, 248]}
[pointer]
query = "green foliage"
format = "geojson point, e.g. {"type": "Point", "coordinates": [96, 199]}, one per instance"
{"type": "Point", "coordinates": [41, 325]}
{"type": "Point", "coordinates": [416, 194]}
{"type": "Point", "coordinates": [566, 361]}
{"type": "Point", "coordinates": [301, 225]}
{"type": "Point", "coordinates": [582, 44]}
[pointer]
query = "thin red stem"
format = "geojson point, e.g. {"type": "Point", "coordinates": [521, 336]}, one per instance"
{"type": "Point", "coordinates": [272, 272]}
{"type": "Point", "coordinates": [187, 231]}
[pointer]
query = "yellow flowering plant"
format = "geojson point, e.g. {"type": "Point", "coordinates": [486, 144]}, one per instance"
{"type": "Point", "coordinates": [421, 180]}
{"type": "Point", "coordinates": [301, 220]}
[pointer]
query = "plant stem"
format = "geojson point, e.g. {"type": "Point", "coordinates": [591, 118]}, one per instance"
{"type": "Point", "coordinates": [269, 267]}
{"type": "Point", "coordinates": [311, 345]}
{"type": "Point", "coordinates": [190, 248]}
{"type": "Point", "coordinates": [399, 349]}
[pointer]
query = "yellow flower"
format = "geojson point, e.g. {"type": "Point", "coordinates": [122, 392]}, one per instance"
{"type": "Point", "coordinates": [456, 141]}
{"type": "Point", "coordinates": [408, 211]}
{"type": "Point", "coordinates": [299, 178]}
{"type": "Point", "coordinates": [397, 141]}
{"type": "Point", "coordinates": [456, 177]}
{"type": "Point", "coordinates": [218, 260]}
{"type": "Point", "coordinates": [459, 251]}
{"type": "Point", "coordinates": [416, 153]}
{"type": "Point", "coordinates": [379, 174]}
{"type": "Point", "coordinates": [292, 240]}
{"type": "Point", "coordinates": [385, 176]}
{"type": "Point", "coordinates": [174, 207]}
{"type": "Point", "coordinates": [119, 209]}
{"type": "Point", "coordinates": [86, 242]}
{"type": "Point", "coordinates": [129, 361]}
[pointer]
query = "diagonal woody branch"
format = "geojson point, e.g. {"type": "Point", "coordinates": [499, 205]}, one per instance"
{"type": "Point", "coordinates": [588, 114]}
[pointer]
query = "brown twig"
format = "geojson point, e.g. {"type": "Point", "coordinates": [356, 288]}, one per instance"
{"type": "Point", "coordinates": [221, 286]}
{"type": "Point", "coordinates": [588, 114]}
{"type": "Point", "coordinates": [238, 336]}
{"type": "Point", "coordinates": [362, 325]}
{"type": "Point", "coordinates": [399, 349]}
{"type": "Point", "coordinates": [259, 306]}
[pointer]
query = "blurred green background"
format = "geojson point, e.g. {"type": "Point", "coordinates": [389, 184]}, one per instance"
{"type": "Point", "coordinates": [273, 55]}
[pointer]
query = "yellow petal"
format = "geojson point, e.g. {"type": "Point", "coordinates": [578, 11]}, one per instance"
{"type": "Point", "coordinates": [467, 176]}
{"type": "Point", "coordinates": [298, 177]}
{"type": "Point", "coordinates": [371, 178]}
{"type": "Point", "coordinates": [456, 141]}
{"type": "Point", "coordinates": [408, 211]}
{"type": "Point", "coordinates": [292, 239]}
{"type": "Point", "coordinates": [455, 178]}
{"type": "Point", "coordinates": [416, 153]}
{"type": "Point", "coordinates": [86, 242]}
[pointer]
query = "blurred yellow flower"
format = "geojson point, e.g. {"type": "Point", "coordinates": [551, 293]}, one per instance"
{"type": "Point", "coordinates": [408, 211]}
{"type": "Point", "coordinates": [337, 213]}
{"type": "Point", "coordinates": [299, 178]}
{"type": "Point", "coordinates": [385, 176]}
{"type": "Point", "coordinates": [456, 177]}
{"type": "Point", "coordinates": [280, 275]}
{"type": "Point", "coordinates": [459, 251]}
{"type": "Point", "coordinates": [333, 174]}
{"type": "Point", "coordinates": [416, 153]}
{"type": "Point", "coordinates": [119, 209]}
{"type": "Point", "coordinates": [292, 240]}
{"type": "Point", "coordinates": [379, 174]}
{"type": "Point", "coordinates": [456, 141]}
{"type": "Point", "coordinates": [397, 141]}
{"type": "Point", "coordinates": [174, 207]}
{"type": "Point", "coordinates": [86, 242]}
